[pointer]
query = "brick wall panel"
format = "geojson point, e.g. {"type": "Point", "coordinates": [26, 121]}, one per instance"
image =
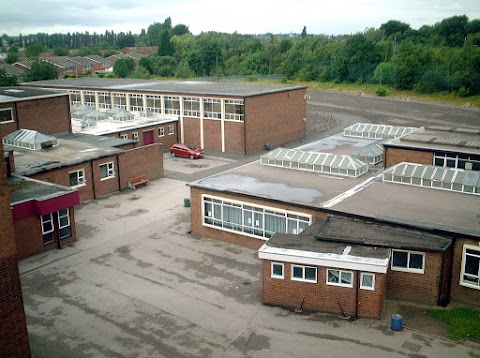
{"type": "Point", "coordinates": [145, 160]}
{"type": "Point", "coordinates": [396, 155]}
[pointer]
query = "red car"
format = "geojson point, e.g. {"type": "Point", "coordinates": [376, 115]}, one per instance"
{"type": "Point", "coordinates": [186, 151]}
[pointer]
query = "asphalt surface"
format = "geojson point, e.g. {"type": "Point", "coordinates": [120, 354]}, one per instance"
{"type": "Point", "coordinates": [138, 284]}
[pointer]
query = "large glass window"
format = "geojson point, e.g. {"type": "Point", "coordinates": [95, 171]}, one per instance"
{"type": "Point", "coordinates": [77, 178]}
{"type": "Point", "coordinates": [107, 171]}
{"type": "Point", "coordinates": [257, 221]}
{"type": "Point", "coordinates": [212, 108]}
{"type": "Point", "coordinates": [89, 98]}
{"type": "Point", "coordinates": [64, 224]}
{"type": "Point", "coordinates": [339, 278]}
{"type": "Point", "coordinates": [191, 107]}
{"type": "Point", "coordinates": [104, 100]}
{"type": "Point", "coordinates": [136, 102]}
{"type": "Point", "coordinates": [459, 161]}
{"type": "Point", "coordinates": [154, 104]}
{"type": "Point", "coordinates": [304, 273]}
{"type": "Point", "coordinates": [120, 100]}
{"type": "Point", "coordinates": [172, 105]}
{"type": "Point", "coordinates": [75, 97]}
{"type": "Point", "coordinates": [470, 274]}
{"type": "Point", "coordinates": [48, 231]}
{"type": "Point", "coordinates": [408, 261]}
{"type": "Point", "coordinates": [234, 110]}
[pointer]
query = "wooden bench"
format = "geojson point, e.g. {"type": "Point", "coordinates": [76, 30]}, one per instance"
{"type": "Point", "coordinates": [135, 181]}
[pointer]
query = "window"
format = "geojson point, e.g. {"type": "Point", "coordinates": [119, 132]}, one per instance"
{"type": "Point", "coordinates": [191, 107]}
{"type": "Point", "coordinates": [367, 281]}
{"type": "Point", "coordinates": [340, 278]}
{"type": "Point", "coordinates": [124, 136]}
{"type": "Point", "coordinates": [172, 105]}
{"type": "Point", "coordinates": [212, 108]}
{"type": "Point", "coordinates": [6, 115]}
{"type": "Point", "coordinates": [154, 104]}
{"type": "Point", "coordinates": [234, 110]}
{"type": "Point", "coordinates": [408, 261]}
{"type": "Point", "coordinates": [89, 98]}
{"type": "Point", "coordinates": [277, 270]}
{"type": "Point", "coordinates": [470, 275]}
{"type": "Point", "coordinates": [304, 273]}
{"type": "Point", "coordinates": [161, 131]}
{"type": "Point", "coordinates": [136, 102]}
{"type": "Point", "coordinates": [255, 221]}
{"type": "Point", "coordinates": [77, 178]}
{"type": "Point", "coordinates": [64, 223]}
{"type": "Point", "coordinates": [119, 100]}
{"type": "Point", "coordinates": [104, 100]}
{"type": "Point", "coordinates": [460, 161]}
{"type": "Point", "coordinates": [106, 171]}
{"type": "Point", "coordinates": [48, 231]}
{"type": "Point", "coordinates": [135, 136]}
{"type": "Point", "coordinates": [171, 130]}
{"type": "Point", "coordinates": [75, 97]}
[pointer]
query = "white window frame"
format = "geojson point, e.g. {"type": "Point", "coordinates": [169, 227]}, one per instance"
{"type": "Point", "coordinates": [52, 224]}
{"type": "Point", "coordinates": [370, 288]}
{"type": "Point", "coordinates": [340, 272]}
{"type": "Point", "coordinates": [191, 107]}
{"type": "Point", "coordinates": [253, 217]}
{"type": "Point", "coordinates": [407, 269]}
{"type": "Point", "coordinates": [11, 115]}
{"type": "Point", "coordinates": [80, 178]}
{"type": "Point", "coordinates": [60, 226]}
{"type": "Point", "coordinates": [136, 102]}
{"type": "Point", "coordinates": [161, 132]}
{"type": "Point", "coordinates": [135, 136]}
{"type": "Point", "coordinates": [171, 130]}
{"type": "Point", "coordinates": [293, 278]}
{"type": "Point", "coordinates": [282, 276]}
{"type": "Point", "coordinates": [110, 170]}
{"type": "Point", "coordinates": [124, 136]}
{"type": "Point", "coordinates": [462, 272]}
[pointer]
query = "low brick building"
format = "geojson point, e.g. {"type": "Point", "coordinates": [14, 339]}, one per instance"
{"type": "Point", "coordinates": [225, 117]}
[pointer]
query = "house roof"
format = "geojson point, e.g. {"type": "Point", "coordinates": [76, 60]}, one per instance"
{"type": "Point", "coordinates": [61, 61]}
{"type": "Point", "coordinates": [16, 93]}
{"type": "Point", "coordinates": [231, 89]}
{"type": "Point", "coordinates": [97, 58]}
{"type": "Point", "coordinates": [11, 70]}
{"type": "Point", "coordinates": [81, 60]}
{"type": "Point", "coordinates": [441, 138]}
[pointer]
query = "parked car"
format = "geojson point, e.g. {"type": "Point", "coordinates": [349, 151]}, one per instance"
{"type": "Point", "coordinates": [186, 151]}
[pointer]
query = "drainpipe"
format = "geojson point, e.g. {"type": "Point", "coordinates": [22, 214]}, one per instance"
{"type": "Point", "coordinates": [16, 116]}
{"type": "Point", "coordinates": [244, 127]}
{"type": "Point", "coordinates": [357, 273]}
{"type": "Point", "coordinates": [118, 173]}
{"type": "Point", "coordinates": [93, 181]}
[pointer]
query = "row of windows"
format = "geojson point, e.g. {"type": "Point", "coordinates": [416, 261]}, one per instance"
{"type": "Point", "coordinates": [251, 220]}
{"type": "Point", "coordinates": [460, 161]}
{"type": "Point", "coordinates": [334, 277]}
{"type": "Point", "coordinates": [212, 107]}
{"type": "Point", "coordinates": [77, 177]}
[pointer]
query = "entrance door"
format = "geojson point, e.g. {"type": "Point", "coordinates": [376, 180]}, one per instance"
{"type": "Point", "coordinates": [148, 137]}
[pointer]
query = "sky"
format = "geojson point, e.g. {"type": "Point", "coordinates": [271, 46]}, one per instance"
{"type": "Point", "coordinates": [333, 17]}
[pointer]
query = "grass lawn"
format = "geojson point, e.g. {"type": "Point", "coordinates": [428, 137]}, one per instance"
{"type": "Point", "coordinates": [463, 323]}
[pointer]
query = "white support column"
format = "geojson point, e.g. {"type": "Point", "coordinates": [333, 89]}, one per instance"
{"type": "Point", "coordinates": [144, 101]}
{"type": "Point", "coordinates": [180, 118]}
{"type": "Point", "coordinates": [127, 98]}
{"type": "Point", "coordinates": [162, 100]}
{"type": "Point", "coordinates": [202, 141]}
{"type": "Point", "coordinates": [82, 97]}
{"type": "Point", "coordinates": [222, 124]}
{"type": "Point", "coordinates": [111, 100]}
{"type": "Point", "coordinates": [96, 101]}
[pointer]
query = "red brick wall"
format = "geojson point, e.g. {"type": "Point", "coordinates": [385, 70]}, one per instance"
{"type": "Point", "coordinates": [396, 155]}
{"type": "Point", "coordinates": [191, 131]}
{"type": "Point", "coordinates": [13, 326]}
{"type": "Point", "coordinates": [146, 160]}
{"type": "Point", "coordinates": [233, 238]}
{"type": "Point", "coordinates": [166, 141]}
{"type": "Point", "coordinates": [47, 115]}
{"type": "Point", "coordinates": [275, 118]}
{"type": "Point", "coordinates": [29, 238]}
{"type": "Point", "coordinates": [212, 134]}
{"type": "Point", "coordinates": [320, 297]}
{"type": "Point", "coordinates": [106, 186]}
{"type": "Point", "coordinates": [415, 287]}
{"type": "Point", "coordinates": [234, 137]}
{"type": "Point", "coordinates": [462, 294]}
{"type": "Point", "coordinates": [7, 128]}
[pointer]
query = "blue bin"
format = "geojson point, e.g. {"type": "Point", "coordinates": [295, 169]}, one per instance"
{"type": "Point", "coordinates": [396, 322]}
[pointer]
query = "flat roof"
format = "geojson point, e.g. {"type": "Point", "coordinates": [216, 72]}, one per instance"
{"type": "Point", "coordinates": [25, 189]}
{"type": "Point", "coordinates": [366, 196]}
{"type": "Point", "coordinates": [16, 93]}
{"type": "Point", "coordinates": [68, 153]}
{"type": "Point", "coordinates": [96, 140]}
{"type": "Point", "coordinates": [229, 89]}
{"type": "Point", "coordinates": [436, 138]}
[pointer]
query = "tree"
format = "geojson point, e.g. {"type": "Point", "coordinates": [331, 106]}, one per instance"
{"type": "Point", "coordinates": [140, 72]}
{"type": "Point", "coordinates": [6, 80]}
{"type": "Point", "coordinates": [393, 27]}
{"type": "Point", "coordinates": [304, 32]}
{"type": "Point", "coordinates": [123, 67]}
{"type": "Point", "coordinates": [184, 70]}
{"type": "Point", "coordinates": [163, 66]}
{"type": "Point", "coordinates": [180, 30]}
{"type": "Point", "coordinates": [34, 49]}
{"type": "Point", "coordinates": [61, 51]}
{"type": "Point", "coordinates": [165, 47]}
{"type": "Point", "coordinates": [41, 70]}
